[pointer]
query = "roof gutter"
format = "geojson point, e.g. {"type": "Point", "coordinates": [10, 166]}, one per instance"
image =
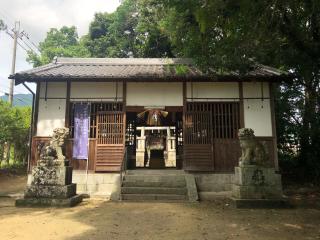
{"type": "Point", "coordinates": [31, 123]}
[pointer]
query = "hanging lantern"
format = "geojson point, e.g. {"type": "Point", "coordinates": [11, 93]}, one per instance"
{"type": "Point", "coordinates": [154, 116]}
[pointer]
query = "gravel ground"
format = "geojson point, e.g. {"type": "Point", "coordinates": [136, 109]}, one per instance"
{"type": "Point", "coordinates": [95, 219]}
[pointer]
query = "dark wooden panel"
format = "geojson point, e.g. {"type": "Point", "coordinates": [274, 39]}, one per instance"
{"type": "Point", "coordinates": [197, 139]}
{"type": "Point", "coordinates": [95, 107]}
{"type": "Point", "coordinates": [81, 164]}
{"type": "Point", "coordinates": [109, 158]}
{"type": "Point", "coordinates": [110, 141]}
{"type": "Point", "coordinates": [75, 163]}
{"type": "Point", "coordinates": [226, 154]}
{"type": "Point", "coordinates": [110, 128]}
{"type": "Point", "coordinates": [198, 157]}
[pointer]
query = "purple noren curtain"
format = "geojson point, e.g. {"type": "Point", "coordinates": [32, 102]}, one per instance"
{"type": "Point", "coordinates": [81, 131]}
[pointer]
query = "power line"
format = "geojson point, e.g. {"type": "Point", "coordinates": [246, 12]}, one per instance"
{"type": "Point", "coordinates": [26, 35]}
{"type": "Point", "coordinates": [22, 47]}
{"type": "Point", "coordinates": [16, 35]}
{"type": "Point", "coordinates": [18, 98]}
{"type": "Point", "coordinates": [22, 36]}
{"type": "Point", "coordinates": [19, 43]}
{"type": "Point", "coordinates": [17, 92]}
{"type": "Point", "coordinates": [30, 49]}
{"type": "Point", "coordinates": [28, 45]}
{"type": "Point", "coordinates": [15, 95]}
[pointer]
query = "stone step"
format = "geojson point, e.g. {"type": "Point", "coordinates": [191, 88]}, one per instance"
{"type": "Point", "coordinates": [151, 190]}
{"type": "Point", "coordinates": [153, 197]}
{"type": "Point", "coordinates": [154, 184]}
{"type": "Point", "coordinates": [212, 196]}
{"type": "Point", "coordinates": [164, 172]}
{"type": "Point", "coordinates": [154, 178]}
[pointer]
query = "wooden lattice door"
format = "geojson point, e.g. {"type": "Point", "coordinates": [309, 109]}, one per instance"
{"type": "Point", "coordinates": [198, 141]}
{"type": "Point", "coordinates": [110, 141]}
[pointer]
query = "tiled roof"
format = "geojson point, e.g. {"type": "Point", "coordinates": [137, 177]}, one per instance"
{"type": "Point", "coordinates": [136, 69]}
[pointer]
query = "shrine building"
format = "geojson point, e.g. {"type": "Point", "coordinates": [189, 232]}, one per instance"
{"type": "Point", "coordinates": [152, 116]}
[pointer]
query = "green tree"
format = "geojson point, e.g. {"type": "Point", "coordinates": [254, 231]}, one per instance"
{"type": "Point", "coordinates": [131, 31]}
{"type": "Point", "coordinates": [230, 35]}
{"type": "Point", "coordinates": [63, 42]}
{"type": "Point", "coordinates": [14, 125]}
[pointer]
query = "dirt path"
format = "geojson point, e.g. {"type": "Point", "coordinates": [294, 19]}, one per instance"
{"type": "Point", "coordinates": [123, 221]}
{"type": "Point", "coordinates": [12, 184]}
{"type": "Point", "coordinates": [106, 220]}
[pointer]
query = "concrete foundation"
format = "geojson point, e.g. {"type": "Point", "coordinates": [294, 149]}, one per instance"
{"type": "Point", "coordinates": [212, 186]}
{"type": "Point", "coordinates": [101, 185]}
{"type": "Point", "coordinates": [49, 202]}
{"type": "Point", "coordinates": [257, 187]}
{"type": "Point", "coordinates": [107, 185]}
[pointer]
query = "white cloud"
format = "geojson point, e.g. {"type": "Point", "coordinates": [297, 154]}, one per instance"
{"type": "Point", "coordinates": [37, 17]}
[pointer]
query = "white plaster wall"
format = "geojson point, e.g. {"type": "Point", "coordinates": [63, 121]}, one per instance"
{"type": "Point", "coordinates": [213, 90]}
{"type": "Point", "coordinates": [51, 115]}
{"type": "Point", "coordinates": [51, 112]}
{"type": "Point", "coordinates": [54, 89]}
{"type": "Point", "coordinates": [154, 94]}
{"type": "Point", "coordinates": [257, 113]}
{"type": "Point", "coordinates": [95, 90]}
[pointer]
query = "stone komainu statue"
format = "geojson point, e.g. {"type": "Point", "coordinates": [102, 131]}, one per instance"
{"type": "Point", "coordinates": [56, 144]}
{"type": "Point", "coordinates": [253, 152]}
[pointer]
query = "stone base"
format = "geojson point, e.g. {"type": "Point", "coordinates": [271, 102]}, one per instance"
{"type": "Point", "coordinates": [259, 203]}
{"type": "Point", "coordinates": [49, 191]}
{"type": "Point", "coordinates": [49, 202]}
{"type": "Point", "coordinates": [254, 182]}
{"type": "Point", "coordinates": [139, 158]}
{"type": "Point", "coordinates": [171, 159]}
{"type": "Point", "coordinates": [256, 192]}
{"type": "Point", "coordinates": [52, 175]}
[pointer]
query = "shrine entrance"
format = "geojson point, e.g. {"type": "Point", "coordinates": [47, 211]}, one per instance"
{"type": "Point", "coordinates": [152, 146]}
{"type": "Point", "coordinates": [156, 147]}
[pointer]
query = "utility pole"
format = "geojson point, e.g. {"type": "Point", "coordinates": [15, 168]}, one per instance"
{"type": "Point", "coordinates": [16, 34]}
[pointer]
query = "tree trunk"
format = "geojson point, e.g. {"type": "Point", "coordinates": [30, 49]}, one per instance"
{"type": "Point", "coordinates": [308, 152]}
{"type": "Point", "coordinates": [7, 152]}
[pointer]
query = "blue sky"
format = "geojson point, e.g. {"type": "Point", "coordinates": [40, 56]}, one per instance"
{"type": "Point", "coordinates": [36, 18]}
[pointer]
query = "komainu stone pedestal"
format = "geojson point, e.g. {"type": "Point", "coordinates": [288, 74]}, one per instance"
{"type": "Point", "coordinates": [255, 186]}
{"type": "Point", "coordinates": [51, 183]}
{"type": "Point", "coordinates": [51, 186]}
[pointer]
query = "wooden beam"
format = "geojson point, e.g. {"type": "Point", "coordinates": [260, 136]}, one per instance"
{"type": "Point", "coordinates": [124, 95]}
{"type": "Point", "coordinates": [174, 108]}
{"type": "Point", "coordinates": [137, 109]}
{"type": "Point", "coordinates": [273, 125]}
{"type": "Point", "coordinates": [36, 110]}
{"type": "Point", "coordinates": [184, 96]}
{"type": "Point", "coordinates": [241, 105]}
{"type": "Point", "coordinates": [124, 108]}
{"type": "Point", "coordinates": [67, 113]}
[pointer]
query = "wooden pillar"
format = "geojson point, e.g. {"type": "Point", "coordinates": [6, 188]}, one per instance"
{"type": "Point", "coordinates": [67, 113]}
{"type": "Point", "coordinates": [124, 109]}
{"type": "Point", "coordinates": [124, 95]}
{"type": "Point", "coordinates": [184, 96]}
{"type": "Point", "coordinates": [273, 124]}
{"type": "Point", "coordinates": [36, 110]}
{"type": "Point", "coordinates": [241, 105]}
